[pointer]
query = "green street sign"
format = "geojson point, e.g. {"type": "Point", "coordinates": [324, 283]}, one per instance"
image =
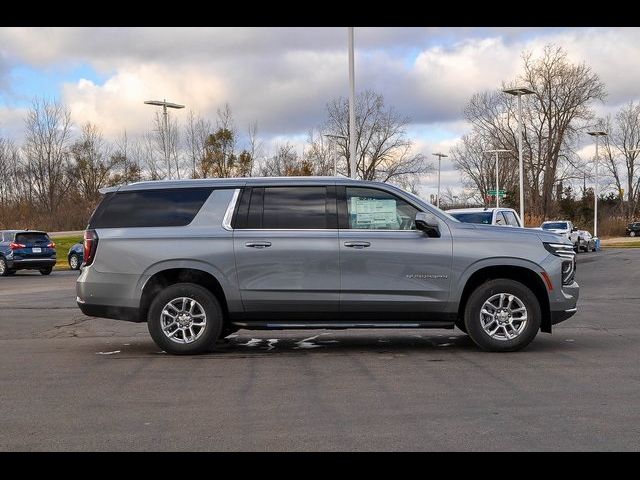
{"type": "Point", "coordinates": [501, 193]}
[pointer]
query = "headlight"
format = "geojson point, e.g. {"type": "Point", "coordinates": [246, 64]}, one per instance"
{"type": "Point", "coordinates": [568, 271]}
{"type": "Point", "coordinates": [560, 250]}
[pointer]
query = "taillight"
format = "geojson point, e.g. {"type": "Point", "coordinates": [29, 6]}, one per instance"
{"type": "Point", "coordinates": [51, 245]}
{"type": "Point", "coordinates": [16, 246]}
{"type": "Point", "coordinates": [90, 246]}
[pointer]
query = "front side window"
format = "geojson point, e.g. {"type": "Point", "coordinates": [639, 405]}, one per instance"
{"type": "Point", "coordinates": [371, 209]}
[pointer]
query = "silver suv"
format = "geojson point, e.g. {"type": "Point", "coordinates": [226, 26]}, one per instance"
{"type": "Point", "coordinates": [199, 259]}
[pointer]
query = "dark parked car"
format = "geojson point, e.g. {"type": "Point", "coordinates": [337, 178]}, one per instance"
{"type": "Point", "coordinates": [74, 257]}
{"type": "Point", "coordinates": [26, 250]}
{"type": "Point", "coordinates": [633, 229]}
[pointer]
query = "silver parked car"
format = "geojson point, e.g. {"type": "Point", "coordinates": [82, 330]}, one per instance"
{"type": "Point", "coordinates": [199, 259]}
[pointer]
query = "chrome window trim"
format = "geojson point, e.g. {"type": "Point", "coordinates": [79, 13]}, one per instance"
{"type": "Point", "coordinates": [228, 215]}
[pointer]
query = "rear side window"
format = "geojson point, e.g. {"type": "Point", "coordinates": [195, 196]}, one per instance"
{"type": "Point", "coordinates": [294, 208]}
{"type": "Point", "coordinates": [483, 218]}
{"type": "Point", "coordinates": [150, 208]}
{"type": "Point", "coordinates": [32, 237]}
{"type": "Point", "coordinates": [500, 220]}
{"type": "Point", "coordinates": [511, 218]}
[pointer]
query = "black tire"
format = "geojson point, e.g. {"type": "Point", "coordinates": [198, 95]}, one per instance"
{"type": "Point", "coordinates": [212, 329]}
{"type": "Point", "coordinates": [461, 326]}
{"type": "Point", "coordinates": [46, 271]}
{"type": "Point", "coordinates": [477, 299]}
{"type": "Point", "coordinates": [4, 270]}
{"type": "Point", "coordinates": [632, 234]}
{"type": "Point", "coordinates": [75, 258]}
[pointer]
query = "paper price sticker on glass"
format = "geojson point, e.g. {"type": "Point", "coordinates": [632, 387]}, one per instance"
{"type": "Point", "coordinates": [374, 213]}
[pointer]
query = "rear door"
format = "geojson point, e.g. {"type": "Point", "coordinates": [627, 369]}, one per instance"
{"type": "Point", "coordinates": [286, 249]}
{"type": "Point", "coordinates": [389, 269]}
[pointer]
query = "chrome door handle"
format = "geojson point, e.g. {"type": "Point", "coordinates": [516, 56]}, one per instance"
{"type": "Point", "coordinates": [257, 244]}
{"type": "Point", "coordinates": [357, 244]}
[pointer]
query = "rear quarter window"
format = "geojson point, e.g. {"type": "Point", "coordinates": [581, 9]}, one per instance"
{"type": "Point", "coordinates": [150, 208]}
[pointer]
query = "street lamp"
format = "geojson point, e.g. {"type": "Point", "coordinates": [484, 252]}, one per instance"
{"type": "Point", "coordinates": [519, 91]}
{"type": "Point", "coordinates": [352, 108]}
{"type": "Point", "coordinates": [596, 134]}
{"type": "Point", "coordinates": [497, 151]}
{"type": "Point", "coordinates": [335, 156]}
{"type": "Point", "coordinates": [439, 155]}
{"type": "Point", "coordinates": [164, 104]}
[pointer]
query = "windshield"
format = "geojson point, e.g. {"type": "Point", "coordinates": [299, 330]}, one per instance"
{"type": "Point", "coordinates": [474, 217]}
{"type": "Point", "coordinates": [555, 226]}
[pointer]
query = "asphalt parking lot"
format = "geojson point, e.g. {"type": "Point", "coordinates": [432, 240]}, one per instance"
{"type": "Point", "coordinates": [70, 382]}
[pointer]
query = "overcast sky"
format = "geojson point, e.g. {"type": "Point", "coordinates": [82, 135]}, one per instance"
{"type": "Point", "coordinates": [283, 77]}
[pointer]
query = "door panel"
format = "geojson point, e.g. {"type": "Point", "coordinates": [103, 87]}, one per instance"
{"type": "Point", "coordinates": [293, 269]}
{"type": "Point", "coordinates": [394, 269]}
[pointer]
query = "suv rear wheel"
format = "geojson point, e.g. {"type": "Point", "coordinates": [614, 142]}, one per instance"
{"type": "Point", "coordinates": [502, 315]}
{"type": "Point", "coordinates": [185, 319]}
{"type": "Point", "coordinates": [4, 270]}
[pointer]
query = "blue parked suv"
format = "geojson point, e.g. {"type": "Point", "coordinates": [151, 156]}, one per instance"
{"type": "Point", "coordinates": [75, 256]}
{"type": "Point", "coordinates": [26, 250]}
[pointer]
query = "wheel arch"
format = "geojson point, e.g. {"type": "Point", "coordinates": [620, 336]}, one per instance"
{"type": "Point", "coordinates": [520, 273]}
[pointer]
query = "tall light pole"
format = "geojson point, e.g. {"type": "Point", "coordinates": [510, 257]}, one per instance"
{"type": "Point", "coordinates": [596, 191]}
{"type": "Point", "coordinates": [164, 104]}
{"type": "Point", "coordinates": [335, 156]}
{"type": "Point", "coordinates": [440, 156]}
{"type": "Point", "coordinates": [497, 151]}
{"type": "Point", "coordinates": [352, 109]}
{"type": "Point", "coordinates": [519, 91]}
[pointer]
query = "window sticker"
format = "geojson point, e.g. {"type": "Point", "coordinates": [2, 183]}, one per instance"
{"type": "Point", "coordinates": [373, 213]}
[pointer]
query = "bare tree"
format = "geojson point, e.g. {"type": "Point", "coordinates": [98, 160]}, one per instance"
{"type": "Point", "coordinates": [196, 134]}
{"type": "Point", "coordinates": [622, 162]}
{"type": "Point", "coordinates": [384, 151]}
{"type": "Point", "coordinates": [46, 149]}
{"type": "Point", "coordinates": [91, 164]}
{"type": "Point", "coordinates": [552, 119]}
{"type": "Point", "coordinates": [255, 145]}
{"type": "Point", "coordinates": [286, 162]}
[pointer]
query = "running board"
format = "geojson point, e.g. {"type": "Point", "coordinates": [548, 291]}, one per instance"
{"type": "Point", "coordinates": [262, 325]}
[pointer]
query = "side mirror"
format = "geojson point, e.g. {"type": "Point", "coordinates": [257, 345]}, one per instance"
{"type": "Point", "coordinates": [428, 223]}
{"type": "Point", "coordinates": [574, 229]}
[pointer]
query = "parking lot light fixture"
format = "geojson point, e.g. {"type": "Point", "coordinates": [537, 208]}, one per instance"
{"type": "Point", "coordinates": [164, 104]}
{"type": "Point", "coordinates": [335, 155]}
{"type": "Point", "coordinates": [519, 91]}
{"type": "Point", "coordinates": [596, 191]}
{"type": "Point", "coordinates": [440, 157]}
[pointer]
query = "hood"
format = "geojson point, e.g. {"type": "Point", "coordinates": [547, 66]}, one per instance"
{"type": "Point", "coordinates": [524, 234]}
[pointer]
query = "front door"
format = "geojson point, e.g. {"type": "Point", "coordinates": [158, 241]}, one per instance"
{"type": "Point", "coordinates": [286, 248]}
{"type": "Point", "coordinates": [389, 270]}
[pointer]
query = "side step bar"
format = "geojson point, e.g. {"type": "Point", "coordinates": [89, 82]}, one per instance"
{"type": "Point", "coordinates": [263, 325]}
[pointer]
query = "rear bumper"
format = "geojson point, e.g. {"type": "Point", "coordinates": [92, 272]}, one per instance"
{"type": "Point", "coordinates": [127, 314]}
{"type": "Point", "coordinates": [562, 315]}
{"type": "Point", "coordinates": [31, 263]}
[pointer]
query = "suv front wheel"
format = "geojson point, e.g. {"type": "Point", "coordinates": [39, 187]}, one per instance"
{"type": "Point", "coordinates": [185, 319]}
{"type": "Point", "coordinates": [502, 315]}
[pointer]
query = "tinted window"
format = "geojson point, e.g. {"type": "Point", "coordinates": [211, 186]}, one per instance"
{"type": "Point", "coordinates": [474, 217]}
{"type": "Point", "coordinates": [511, 218]}
{"type": "Point", "coordinates": [32, 238]}
{"type": "Point", "coordinates": [371, 209]}
{"type": "Point", "coordinates": [500, 220]}
{"type": "Point", "coordinates": [291, 208]}
{"type": "Point", "coordinates": [150, 208]}
{"type": "Point", "coordinates": [555, 226]}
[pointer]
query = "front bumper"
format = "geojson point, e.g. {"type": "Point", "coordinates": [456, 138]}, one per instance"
{"type": "Point", "coordinates": [562, 315]}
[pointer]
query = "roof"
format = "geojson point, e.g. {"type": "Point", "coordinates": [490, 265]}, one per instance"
{"type": "Point", "coordinates": [24, 230]}
{"type": "Point", "coordinates": [238, 182]}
